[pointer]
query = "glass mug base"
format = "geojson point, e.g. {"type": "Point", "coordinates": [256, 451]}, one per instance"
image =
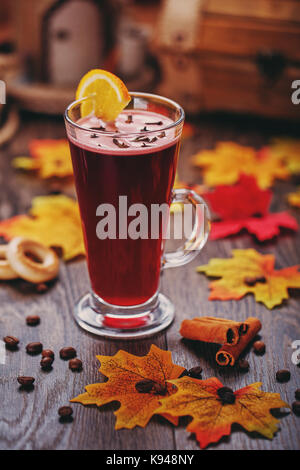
{"type": "Point", "coordinates": [140, 321]}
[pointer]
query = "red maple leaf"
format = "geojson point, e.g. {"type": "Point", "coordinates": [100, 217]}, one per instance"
{"type": "Point", "coordinates": [246, 206]}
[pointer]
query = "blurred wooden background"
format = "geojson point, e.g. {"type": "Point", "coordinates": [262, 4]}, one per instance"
{"type": "Point", "coordinates": [213, 55]}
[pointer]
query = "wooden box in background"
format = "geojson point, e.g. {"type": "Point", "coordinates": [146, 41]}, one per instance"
{"type": "Point", "coordinates": [231, 55]}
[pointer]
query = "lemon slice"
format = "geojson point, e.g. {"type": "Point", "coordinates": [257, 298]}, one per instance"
{"type": "Point", "coordinates": [109, 92]}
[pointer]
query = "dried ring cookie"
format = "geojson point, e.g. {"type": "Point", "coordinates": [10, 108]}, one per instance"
{"type": "Point", "coordinates": [21, 254]}
{"type": "Point", "coordinates": [6, 271]}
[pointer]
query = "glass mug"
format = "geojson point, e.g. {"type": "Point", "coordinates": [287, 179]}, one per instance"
{"type": "Point", "coordinates": [122, 170]}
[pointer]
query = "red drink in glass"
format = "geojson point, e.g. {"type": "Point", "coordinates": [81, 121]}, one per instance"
{"type": "Point", "coordinates": [124, 271]}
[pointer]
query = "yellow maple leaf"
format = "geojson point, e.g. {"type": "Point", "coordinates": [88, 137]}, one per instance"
{"type": "Point", "coordinates": [51, 158]}
{"type": "Point", "coordinates": [288, 151]}
{"type": "Point", "coordinates": [248, 271]}
{"type": "Point", "coordinates": [294, 198]}
{"type": "Point", "coordinates": [53, 221]}
{"type": "Point", "coordinates": [225, 164]}
{"type": "Point", "coordinates": [124, 371]}
{"type": "Point", "coordinates": [213, 415]}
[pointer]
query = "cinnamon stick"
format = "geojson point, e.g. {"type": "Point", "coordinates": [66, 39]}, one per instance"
{"type": "Point", "coordinates": [214, 330]}
{"type": "Point", "coordinates": [228, 354]}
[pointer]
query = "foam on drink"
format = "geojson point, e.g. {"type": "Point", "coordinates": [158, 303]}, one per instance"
{"type": "Point", "coordinates": [133, 132]}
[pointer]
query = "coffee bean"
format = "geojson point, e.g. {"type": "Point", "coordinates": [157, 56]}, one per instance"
{"type": "Point", "coordinates": [297, 394]}
{"type": "Point", "coordinates": [283, 375]}
{"type": "Point", "coordinates": [75, 364]}
{"type": "Point", "coordinates": [34, 348]}
{"type": "Point", "coordinates": [159, 389]}
{"type": "Point", "coordinates": [195, 372]}
{"type": "Point", "coordinates": [259, 348]}
{"type": "Point", "coordinates": [46, 363]}
{"type": "Point", "coordinates": [296, 407]}
{"type": "Point", "coordinates": [11, 342]}
{"type": "Point", "coordinates": [67, 352]}
{"type": "Point", "coordinates": [48, 353]}
{"type": "Point", "coordinates": [184, 373]}
{"type": "Point", "coordinates": [222, 390]}
{"type": "Point", "coordinates": [144, 386]}
{"type": "Point", "coordinates": [26, 382]}
{"type": "Point", "coordinates": [65, 411]}
{"type": "Point", "coordinates": [243, 365]}
{"type": "Point", "coordinates": [33, 320]}
{"type": "Point", "coordinates": [227, 395]}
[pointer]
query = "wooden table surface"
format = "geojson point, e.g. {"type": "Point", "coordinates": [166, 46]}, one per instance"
{"type": "Point", "coordinates": [29, 420]}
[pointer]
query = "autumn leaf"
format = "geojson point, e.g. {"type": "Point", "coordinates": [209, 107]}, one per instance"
{"type": "Point", "coordinates": [51, 158]}
{"type": "Point", "coordinates": [248, 271]}
{"type": "Point", "coordinates": [213, 416]}
{"type": "Point", "coordinates": [124, 371]}
{"type": "Point", "coordinates": [239, 207]}
{"type": "Point", "coordinates": [224, 164]}
{"type": "Point", "coordinates": [53, 221]}
{"type": "Point", "coordinates": [288, 151]}
{"type": "Point", "coordinates": [294, 198]}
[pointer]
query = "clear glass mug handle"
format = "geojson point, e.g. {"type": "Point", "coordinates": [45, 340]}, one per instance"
{"type": "Point", "coordinates": [199, 234]}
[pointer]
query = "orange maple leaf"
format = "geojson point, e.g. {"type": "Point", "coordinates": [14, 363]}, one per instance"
{"type": "Point", "coordinates": [53, 221]}
{"type": "Point", "coordinates": [124, 371]}
{"type": "Point", "coordinates": [49, 157]}
{"type": "Point", "coordinates": [224, 165]}
{"type": "Point", "coordinates": [212, 417]}
{"type": "Point", "coordinates": [248, 271]}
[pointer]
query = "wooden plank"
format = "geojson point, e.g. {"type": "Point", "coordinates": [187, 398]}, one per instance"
{"type": "Point", "coordinates": [29, 420]}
